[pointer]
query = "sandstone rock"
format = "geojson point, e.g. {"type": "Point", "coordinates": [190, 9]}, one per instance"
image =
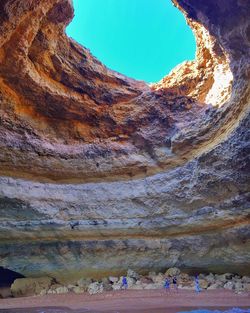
{"type": "Point", "coordinates": [216, 285]}
{"type": "Point", "coordinates": [61, 290]}
{"type": "Point", "coordinates": [246, 279]}
{"type": "Point", "coordinates": [78, 290]}
{"type": "Point", "coordinates": [229, 285]}
{"type": "Point", "coordinates": [71, 287]}
{"type": "Point", "coordinates": [113, 279]}
{"type": "Point", "coordinates": [133, 274]}
{"type": "Point", "coordinates": [246, 287]}
{"type": "Point", "coordinates": [30, 286]}
{"type": "Point", "coordinates": [146, 280]}
{"type": "Point", "coordinates": [203, 283]}
{"type": "Point", "coordinates": [183, 277]}
{"type": "Point", "coordinates": [174, 271]}
{"type": "Point", "coordinates": [95, 288]}
{"type": "Point", "coordinates": [239, 286]}
{"type": "Point", "coordinates": [107, 287]}
{"type": "Point", "coordinates": [225, 277]}
{"type": "Point", "coordinates": [185, 281]}
{"type": "Point", "coordinates": [84, 283]}
{"type": "Point", "coordinates": [131, 281]}
{"type": "Point", "coordinates": [116, 286]}
{"type": "Point", "coordinates": [152, 274]}
{"type": "Point", "coordinates": [105, 280]}
{"type": "Point", "coordinates": [5, 292]}
{"type": "Point", "coordinates": [159, 278]}
{"type": "Point", "coordinates": [43, 292]}
{"type": "Point", "coordinates": [55, 286]}
{"type": "Point", "coordinates": [210, 278]}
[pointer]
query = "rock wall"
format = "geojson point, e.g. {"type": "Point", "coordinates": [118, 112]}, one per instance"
{"type": "Point", "coordinates": [100, 172]}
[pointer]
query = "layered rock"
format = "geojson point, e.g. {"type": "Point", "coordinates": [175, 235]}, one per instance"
{"type": "Point", "coordinates": [99, 171]}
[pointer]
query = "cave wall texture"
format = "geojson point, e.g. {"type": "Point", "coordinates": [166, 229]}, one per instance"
{"type": "Point", "coordinates": [100, 172]}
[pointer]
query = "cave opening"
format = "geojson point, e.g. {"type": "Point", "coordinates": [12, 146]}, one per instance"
{"type": "Point", "coordinates": [142, 39]}
{"type": "Point", "coordinates": [8, 276]}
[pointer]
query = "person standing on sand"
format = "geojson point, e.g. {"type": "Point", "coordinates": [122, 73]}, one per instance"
{"type": "Point", "coordinates": [167, 285]}
{"type": "Point", "coordinates": [196, 283]}
{"type": "Point", "coordinates": [175, 283]}
{"type": "Point", "coordinates": [124, 283]}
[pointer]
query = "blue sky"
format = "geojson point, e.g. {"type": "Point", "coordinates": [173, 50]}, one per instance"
{"type": "Point", "coordinates": [143, 39]}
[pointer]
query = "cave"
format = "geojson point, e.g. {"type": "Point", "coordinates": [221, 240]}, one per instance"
{"type": "Point", "coordinates": [7, 277]}
{"type": "Point", "coordinates": [100, 172]}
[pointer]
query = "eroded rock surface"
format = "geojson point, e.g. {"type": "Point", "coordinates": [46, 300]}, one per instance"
{"type": "Point", "coordinates": [99, 171]}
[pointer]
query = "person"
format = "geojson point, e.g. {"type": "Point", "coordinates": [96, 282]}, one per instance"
{"type": "Point", "coordinates": [167, 285]}
{"type": "Point", "coordinates": [124, 283]}
{"type": "Point", "coordinates": [196, 284]}
{"type": "Point", "coordinates": [175, 283]}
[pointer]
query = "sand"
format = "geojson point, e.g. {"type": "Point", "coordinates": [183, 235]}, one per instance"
{"type": "Point", "coordinates": [129, 301]}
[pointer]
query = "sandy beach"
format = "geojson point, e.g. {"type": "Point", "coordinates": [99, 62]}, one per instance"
{"type": "Point", "coordinates": [146, 301]}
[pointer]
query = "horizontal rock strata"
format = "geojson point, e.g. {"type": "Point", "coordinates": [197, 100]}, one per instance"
{"type": "Point", "coordinates": [100, 172]}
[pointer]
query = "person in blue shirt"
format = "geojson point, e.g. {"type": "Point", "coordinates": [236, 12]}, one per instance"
{"type": "Point", "coordinates": [124, 283]}
{"type": "Point", "coordinates": [167, 285]}
{"type": "Point", "coordinates": [197, 284]}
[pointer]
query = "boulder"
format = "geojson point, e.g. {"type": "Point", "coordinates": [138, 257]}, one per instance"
{"type": "Point", "coordinates": [84, 283]}
{"type": "Point", "coordinates": [185, 281]}
{"type": "Point", "coordinates": [71, 286]}
{"type": "Point", "coordinates": [30, 286]}
{"type": "Point", "coordinates": [78, 289]}
{"type": "Point", "coordinates": [225, 277]}
{"type": "Point", "coordinates": [107, 287]}
{"type": "Point", "coordinates": [95, 288]}
{"type": "Point", "coordinates": [113, 279]}
{"type": "Point", "coordinates": [133, 274]}
{"type": "Point", "coordinates": [146, 280]}
{"type": "Point", "coordinates": [159, 279]}
{"type": "Point", "coordinates": [203, 283]}
{"type": "Point", "coordinates": [5, 292]}
{"type": "Point", "coordinates": [152, 274]}
{"type": "Point", "coordinates": [43, 292]}
{"type": "Point", "coordinates": [61, 290]}
{"type": "Point", "coordinates": [246, 287]}
{"type": "Point", "coordinates": [116, 286]}
{"type": "Point", "coordinates": [229, 285]}
{"type": "Point", "coordinates": [239, 286]}
{"type": "Point", "coordinates": [210, 278]}
{"type": "Point", "coordinates": [246, 279]}
{"type": "Point", "coordinates": [216, 285]}
{"type": "Point", "coordinates": [183, 277]}
{"type": "Point", "coordinates": [173, 271]}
